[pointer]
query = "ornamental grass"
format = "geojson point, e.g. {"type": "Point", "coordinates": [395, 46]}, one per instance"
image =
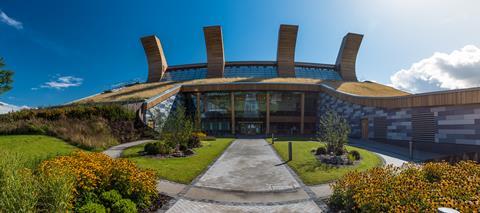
{"type": "Point", "coordinates": [411, 188]}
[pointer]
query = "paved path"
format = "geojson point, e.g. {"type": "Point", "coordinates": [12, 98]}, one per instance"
{"type": "Point", "coordinates": [248, 165]}
{"type": "Point", "coordinates": [116, 151]}
{"type": "Point", "coordinates": [248, 177]}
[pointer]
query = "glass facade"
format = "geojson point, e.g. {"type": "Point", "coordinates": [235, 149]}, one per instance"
{"type": "Point", "coordinates": [185, 74]}
{"type": "Point", "coordinates": [251, 112]}
{"type": "Point", "coordinates": [252, 71]}
{"type": "Point", "coordinates": [317, 73]}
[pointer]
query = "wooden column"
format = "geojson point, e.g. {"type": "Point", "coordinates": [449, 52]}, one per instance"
{"type": "Point", "coordinates": [232, 109]}
{"type": "Point", "coordinates": [267, 122]}
{"type": "Point", "coordinates": [302, 112]}
{"type": "Point", "coordinates": [198, 113]}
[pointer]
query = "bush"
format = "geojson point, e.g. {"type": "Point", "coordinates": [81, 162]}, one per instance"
{"type": "Point", "coordinates": [194, 142]}
{"type": "Point", "coordinates": [412, 188]}
{"type": "Point", "coordinates": [22, 189]}
{"type": "Point", "coordinates": [339, 152]}
{"type": "Point", "coordinates": [321, 150]}
{"type": "Point", "coordinates": [96, 172]}
{"type": "Point", "coordinates": [156, 148]}
{"type": "Point", "coordinates": [124, 206]}
{"type": "Point", "coordinates": [333, 130]}
{"type": "Point", "coordinates": [92, 208]}
{"type": "Point", "coordinates": [110, 197]}
{"type": "Point", "coordinates": [200, 135]}
{"type": "Point", "coordinates": [355, 154]}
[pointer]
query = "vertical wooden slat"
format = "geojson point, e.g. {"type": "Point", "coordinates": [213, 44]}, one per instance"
{"type": "Point", "coordinates": [157, 64]}
{"type": "Point", "coordinates": [232, 114]}
{"type": "Point", "coordinates": [287, 40]}
{"type": "Point", "coordinates": [215, 52]}
{"type": "Point", "coordinates": [267, 122]}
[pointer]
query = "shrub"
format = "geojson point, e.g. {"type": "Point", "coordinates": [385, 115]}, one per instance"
{"type": "Point", "coordinates": [412, 188]}
{"type": "Point", "coordinates": [333, 130]}
{"type": "Point", "coordinates": [355, 154]}
{"type": "Point", "coordinates": [177, 128]}
{"type": "Point", "coordinates": [339, 152]}
{"type": "Point", "coordinates": [110, 197]}
{"type": "Point", "coordinates": [23, 189]}
{"type": "Point", "coordinates": [200, 135]}
{"type": "Point", "coordinates": [124, 206]}
{"type": "Point", "coordinates": [321, 150]}
{"type": "Point", "coordinates": [96, 173]}
{"type": "Point", "coordinates": [159, 147]}
{"type": "Point", "coordinates": [194, 142]}
{"type": "Point", "coordinates": [92, 208]}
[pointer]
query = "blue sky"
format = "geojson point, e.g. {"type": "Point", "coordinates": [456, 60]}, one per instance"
{"type": "Point", "coordinates": [64, 50]}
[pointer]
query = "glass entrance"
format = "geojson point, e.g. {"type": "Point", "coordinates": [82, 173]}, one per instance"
{"type": "Point", "coordinates": [250, 128]}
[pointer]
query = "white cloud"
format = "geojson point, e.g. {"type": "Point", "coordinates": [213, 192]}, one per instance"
{"type": "Point", "coordinates": [6, 108]}
{"type": "Point", "coordinates": [457, 70]}
{"type": "Point", "coordinates": [63, 82]}
{"type": "Point", "coordinates": [10, 21]}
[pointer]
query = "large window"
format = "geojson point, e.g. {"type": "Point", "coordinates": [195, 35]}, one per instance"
{"type": "Point", "coordinates": [285, 104]}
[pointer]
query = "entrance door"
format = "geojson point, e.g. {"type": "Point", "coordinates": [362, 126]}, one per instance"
{"type": "Point", "coordinates": [250, 128]}
{"type": "Point", "coordinates": [364, 128]}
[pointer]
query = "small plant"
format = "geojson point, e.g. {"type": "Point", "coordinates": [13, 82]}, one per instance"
{"type": "Point", "coordinates": [156, 148]}
{"type": "Point", "coordinates": [355, 154]}
{"type": "Point", "coordinates": [92, 208]}
{"type": "Point", "coordinates": [194, 142]}
{"type": "Point", "coordinates": [124, 206]}
{"type": "Point", "coordinates": [321, 150]}
{"type": "Point", "coordinates": [200, 135]}
{"type": "Point", "coordinates": [110, 197]}
{"type": "Point", "coordinates": [334, 131]}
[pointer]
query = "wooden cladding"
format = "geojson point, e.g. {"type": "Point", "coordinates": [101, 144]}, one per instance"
{"type": "Point", "coordinates": [380, 128]}
{"type": "Point", "coordinates": [347, 56]}
{"type": "Point", "coordinates": [157, 64]}
{"type": "Point", "coordinates": [287, 39]}
{"type": "Point", "coordinates": [215, 53]}
{"type": "Point", "coordinates": [424, 127]}
{"type": "Point", "coordinates": [444, 98]}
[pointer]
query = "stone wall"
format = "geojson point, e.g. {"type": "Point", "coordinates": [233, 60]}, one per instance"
{"type": "Point", "coordinates": [453, 124]}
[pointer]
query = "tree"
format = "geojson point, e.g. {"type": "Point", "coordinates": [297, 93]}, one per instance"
{"type": "Point", "coordinates": [5, 78]}
{"type": "Point", "coordinates": [334, 131]}
{"type": "Point", "coordinates": [177, 128]}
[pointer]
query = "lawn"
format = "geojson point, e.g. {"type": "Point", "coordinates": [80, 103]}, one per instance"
{"type": "Point", "coordinates": [34, 146]}
{"type": "Point", "coordinates": [181, 170]}
{"type": "Point", "coordinates": [311, 171]}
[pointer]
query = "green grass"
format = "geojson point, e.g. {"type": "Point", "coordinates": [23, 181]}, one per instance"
{"type": "Point", "coordinates": [34, 146]}
{"type": "Point", "coordinates": [181, 170]}
{"type": "Point", "coordinates": [311, 171]}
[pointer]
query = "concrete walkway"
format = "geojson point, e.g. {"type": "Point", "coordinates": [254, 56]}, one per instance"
{"type": "Point", "coordinates": [116, 151]}
{"type": "Point", "coordinates": [247, 177]}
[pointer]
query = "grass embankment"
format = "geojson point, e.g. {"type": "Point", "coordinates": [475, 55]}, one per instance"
{"type": "Point", "coordinates": [34, 146]}
{"type": "Point", "coordinates": [181, 170]}
{"type": "Point", "coordinates": [92, 127]}
{"type": "Point", "coordinates": [312, 171]}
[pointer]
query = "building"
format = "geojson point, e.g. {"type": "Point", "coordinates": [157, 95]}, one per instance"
{"type": "Point", "coordinates": [288, 97]}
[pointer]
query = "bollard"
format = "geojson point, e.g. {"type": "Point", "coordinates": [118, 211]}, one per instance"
{"type": "Point", "coordinates": [273, 139]}
{"type": "Point", "coordinates": [410, 145]}
{"type": "Point", "coordinates": [289, 151]}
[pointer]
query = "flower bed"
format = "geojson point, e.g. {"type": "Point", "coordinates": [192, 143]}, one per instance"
{"type": "Point", "coordinates": [102, 181]}
{"type": "Point", "coordinates": [412, 188]}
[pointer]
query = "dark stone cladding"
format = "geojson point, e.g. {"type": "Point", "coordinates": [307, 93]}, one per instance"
{"type": "Point", "coordinates": [458, 127]}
